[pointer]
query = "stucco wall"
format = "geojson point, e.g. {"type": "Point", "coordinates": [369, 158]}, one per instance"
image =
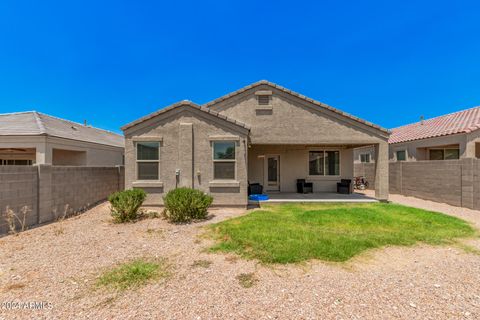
{"type": "Point", "coordinates": [61, 157]}
{"type": "Point", "coordinates": [291, 120]}
{"type": "Point", "coordinates": [418, 150]}
{"type": "Point", "coordinates": [191, 152]}
{"type": "Point", "coordinates": [96, 154]}
{"type": "Point", "coordinates": [294, 165]}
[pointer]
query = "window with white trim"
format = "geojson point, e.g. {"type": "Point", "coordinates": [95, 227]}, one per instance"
{"type": "Point", "coordinates": [224, 161]}
{"type": "Point", "coordinates": [365, 157]}
{"type": "Point", "coordinates": [148, 160]}
{"type": "Point", "coordinates": [324, 163]}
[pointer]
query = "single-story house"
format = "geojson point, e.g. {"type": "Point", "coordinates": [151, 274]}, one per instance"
{"type": "Point", "coordinates": [32, 137]}
{"type": "Point", "coordinates": [262, 133]}
{"type": "Point", "coordinates": [452, 136]}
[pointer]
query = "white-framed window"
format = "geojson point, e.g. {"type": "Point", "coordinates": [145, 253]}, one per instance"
{"type": "Point", "coordinates": [148, 160]}
{"type": "Point", "coordinates": [365, 157]}
{"type": "Point", "coordinates": [401, 155]}
{"type": "Point", "coordinates": [324, 163]}
{"type": "Point", "coordinates": [224, 160]}
{"type": "Point", "coordinates": [444, 154]}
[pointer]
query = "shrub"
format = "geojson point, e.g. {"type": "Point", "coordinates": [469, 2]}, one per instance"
{"type": "Point", "coordinates": [186, 204]}
{"type": "Point", "coordinates": [125, 204]}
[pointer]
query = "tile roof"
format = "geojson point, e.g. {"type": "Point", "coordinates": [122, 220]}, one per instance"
{"type": "Point", "coordinates": [298, 95]}
{"type": "Point", "coordinates": [35, 123]}
{"type": "Point", "coordinates": [185, 103]}
{"type": "Point", "coordinates": [458, 122]}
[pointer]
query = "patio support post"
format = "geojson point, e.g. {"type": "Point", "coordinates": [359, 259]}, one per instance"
{"type": "Point", "coordinates": [381, 171]}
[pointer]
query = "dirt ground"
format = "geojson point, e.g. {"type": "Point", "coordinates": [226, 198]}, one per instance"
{"type": "Point", "coordinates": [58, 264]}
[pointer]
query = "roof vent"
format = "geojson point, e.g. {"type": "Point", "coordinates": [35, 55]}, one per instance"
{"type": "Point", "coordinates": [422, 120]}
{"type": "Point", "coordinates": [263, 97]}
{"type": "Point", "coordinates": [74, 128]}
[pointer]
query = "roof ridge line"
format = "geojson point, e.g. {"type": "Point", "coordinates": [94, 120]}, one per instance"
{"type": "Point", "coordinates": [39, 122]}
{"type": "Point", "coordinates": [76, 123]}
{"type": "Point", "coordinates": [433, 118]}
{"type": "Point", "coordinates": [18, 112]}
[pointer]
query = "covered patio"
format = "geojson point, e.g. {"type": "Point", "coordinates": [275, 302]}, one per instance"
{"type": "Point", "coordinates": [278, 168]}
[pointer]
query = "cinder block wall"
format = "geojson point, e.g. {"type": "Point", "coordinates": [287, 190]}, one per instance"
{"type": "Point", "coordinates": [456, 182]}
{"type": "Point", "coordinates": [366, 170]}
{"type": "Point", "coordinates": [51, 192]}
{"type": "Point", "coordinates": [18, 189]}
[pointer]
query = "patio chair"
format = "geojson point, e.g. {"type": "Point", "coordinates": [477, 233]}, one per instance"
{"type": "Point", "coordinates": [304, 187]}
{"type": "Point", "coordinates": [255, 188]}
{"type": "Point", "coordinates": [344, 186]}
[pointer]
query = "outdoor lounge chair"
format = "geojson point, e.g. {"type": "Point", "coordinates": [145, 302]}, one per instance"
{"type": "Point", "coordinates": [304, 187]}
{"type": "Point", "coordinates": [255, 188]}
{"type": "Point", "coordinates": [344, 186]}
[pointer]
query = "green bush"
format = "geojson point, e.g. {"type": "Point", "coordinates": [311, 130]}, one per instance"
{"type": "Point", "coordinates": [125, 204]}
{"type": "Point", "coordinates": [186, 204]}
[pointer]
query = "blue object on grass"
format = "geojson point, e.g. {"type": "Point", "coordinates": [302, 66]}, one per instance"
{"type": "Point", "coordinates": [258, 197]}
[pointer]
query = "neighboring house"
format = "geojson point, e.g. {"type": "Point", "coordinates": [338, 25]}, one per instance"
{"type": "Point", "coordinates": [364, 154]}
{"type": "Point", "coordinates": [451, 136]}
{"type": "Point", "coordinates": [262, 133]}
{"type": "Point", "coordinates": [28, 138]}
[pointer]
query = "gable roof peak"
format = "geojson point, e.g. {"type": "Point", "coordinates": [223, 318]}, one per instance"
{"type": "Point", "coordinates": [300, 96]}
{"type": "Point", "coordinates": [180, 104]}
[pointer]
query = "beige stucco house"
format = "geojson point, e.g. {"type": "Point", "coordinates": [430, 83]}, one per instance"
{"type": "Point", "coordinates": [262, 133]}
{"type": "Point", "coordinates": [28, 138]}
{"type": "Point", "coordinates": [448, 137]}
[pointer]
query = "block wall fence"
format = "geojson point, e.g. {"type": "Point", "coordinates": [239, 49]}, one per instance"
{"type": "Point", "coordinates": [455, 182]}
{"type": "Point", "coordinates": [47, 193]}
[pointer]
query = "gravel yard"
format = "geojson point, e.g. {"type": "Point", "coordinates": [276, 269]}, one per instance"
{"type": "Point", "coordinates": [59, 264]}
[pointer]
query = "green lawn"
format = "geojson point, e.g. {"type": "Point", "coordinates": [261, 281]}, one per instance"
{"type": "Point", "coordinates": [335, 232]}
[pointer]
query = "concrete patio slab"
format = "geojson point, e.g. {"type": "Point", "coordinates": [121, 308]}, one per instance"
{"type": "Point", "coordinates": [286, 197]}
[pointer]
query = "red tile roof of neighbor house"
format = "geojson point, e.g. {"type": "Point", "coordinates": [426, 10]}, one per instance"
{"type": "Point", "coordinates": [464, 121]}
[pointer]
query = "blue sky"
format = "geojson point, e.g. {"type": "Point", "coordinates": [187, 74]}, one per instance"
{"type": "Point", "coordinates": [111, 62]}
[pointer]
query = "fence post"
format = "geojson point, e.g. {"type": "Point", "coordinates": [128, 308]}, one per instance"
{"type": "Point", "coordinates": [466, 182]}
{"type": "Point", "coordinates": [45, 201]}
{"type": "Point", "coordinates": [401, 176]}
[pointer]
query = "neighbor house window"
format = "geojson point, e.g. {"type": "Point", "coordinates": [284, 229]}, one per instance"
{"type": "Point", "coordinates": [444, 154]}
{"type": "Point", "coordinates": [148, 159]}
{"type": "Point", "coordinates": [224, 160]}
{"type": "Point", "coordinates": [324, 163]}
{"type": "Point", "coordinates": [365, 157]}
{"type": "Point", "coordinates": [401, 155]}
{"type": "Point", "coordinates": [14, 162]}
